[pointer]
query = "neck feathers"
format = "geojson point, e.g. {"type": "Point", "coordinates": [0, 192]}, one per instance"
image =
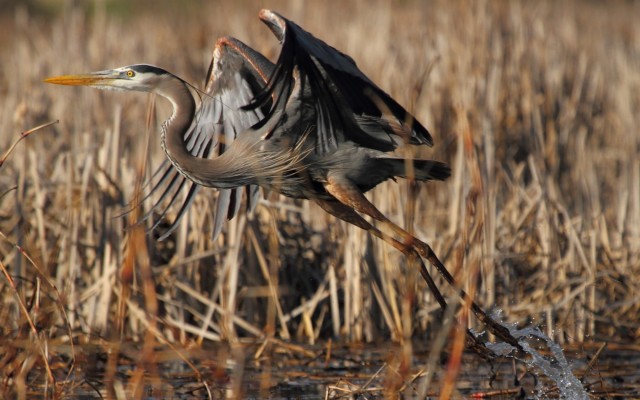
{"type": "Point", "coordinates": [245, 162]}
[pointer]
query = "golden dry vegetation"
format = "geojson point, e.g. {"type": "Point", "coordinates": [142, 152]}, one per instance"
{"type": "Point", "coordinates": [533, 104]}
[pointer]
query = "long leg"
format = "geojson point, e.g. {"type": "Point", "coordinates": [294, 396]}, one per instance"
{"type": "Point", "coordinates": [346, 214]}
{"type": "Point", "coordinates": [350, 195]}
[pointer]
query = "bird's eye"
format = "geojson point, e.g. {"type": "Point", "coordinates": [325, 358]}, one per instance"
{"type": "Point", "coordinates": [131, 74]}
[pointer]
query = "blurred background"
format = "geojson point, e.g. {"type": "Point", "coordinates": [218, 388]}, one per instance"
{"type": "Point", "coordinates": [533, 104]}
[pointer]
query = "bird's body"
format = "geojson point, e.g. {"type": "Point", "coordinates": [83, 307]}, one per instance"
{"type": "Point", "coordinates": [309, 126]}
{"type": "Point", "coordinates": [287, 150]}
{"type": "Point", "coordinates": [292, 127]}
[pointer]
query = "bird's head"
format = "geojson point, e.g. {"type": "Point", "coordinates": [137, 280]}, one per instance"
{"type": "Point", "coordinates": [139, 77]}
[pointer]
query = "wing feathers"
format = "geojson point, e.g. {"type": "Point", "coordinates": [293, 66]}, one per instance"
{"type": "Point", "coordinates": [236, 74]}
{"type": "Point", "coordinates": [245, 90]}
{"type": "Point", "coordinates": [340, 90]}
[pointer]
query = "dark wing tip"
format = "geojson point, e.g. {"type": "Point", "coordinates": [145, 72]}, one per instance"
{"type": "Point", "coordinates": [429, 169]}
{"type": "Point", "coordinates": [323, 62]}
{"type": "Point", "coordinates": [420, 134]}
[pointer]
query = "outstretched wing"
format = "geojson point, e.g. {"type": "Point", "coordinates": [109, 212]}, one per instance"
{"type": "Point", "coordinates": [236, 74]}
{"type": "Point", "coordinates": [349, 106]}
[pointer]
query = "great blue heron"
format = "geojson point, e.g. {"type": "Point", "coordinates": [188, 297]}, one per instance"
{"type": "Point", "coordinates": [310, 126]}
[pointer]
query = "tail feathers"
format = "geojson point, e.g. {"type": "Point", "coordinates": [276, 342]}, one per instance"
{"type": "Point", "coordinates": [423, 170]}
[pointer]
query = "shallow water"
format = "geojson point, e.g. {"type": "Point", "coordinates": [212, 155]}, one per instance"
{"type": "Point", "coordinates": [282, 371]}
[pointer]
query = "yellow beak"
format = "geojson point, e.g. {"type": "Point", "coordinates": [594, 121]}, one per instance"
{"type": "Point", "coordinates": [92, 79]}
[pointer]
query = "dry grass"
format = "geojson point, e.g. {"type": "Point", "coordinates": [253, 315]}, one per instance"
{"type": "Point", "coordinates": [534, 105]}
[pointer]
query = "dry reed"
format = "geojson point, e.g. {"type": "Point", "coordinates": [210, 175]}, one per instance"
{"type": "Point", "coordinates": [534, 105]}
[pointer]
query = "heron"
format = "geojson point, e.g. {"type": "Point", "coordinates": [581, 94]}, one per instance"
{"type": "Point", "coordinates": [310, 126]}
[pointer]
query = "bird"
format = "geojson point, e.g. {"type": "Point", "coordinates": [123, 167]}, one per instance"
{"type": "Point", "coordinates": [310, 126]}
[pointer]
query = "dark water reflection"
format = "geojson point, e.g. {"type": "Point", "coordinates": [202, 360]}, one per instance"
{"type": "Point", "coordinates": [282, 371]}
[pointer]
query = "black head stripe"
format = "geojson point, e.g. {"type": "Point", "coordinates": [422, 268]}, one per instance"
{"type": "Point", "coordinates": [144, 68]}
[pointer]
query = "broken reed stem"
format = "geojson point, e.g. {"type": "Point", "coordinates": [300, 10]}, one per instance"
{"type": "Point", "coordinates": [273, 290]}
{"type": "Point", "coordinates": [471, 251]}
{"type": "Point", "coordinates": [137, 259]}
{"type": "Point", "coordinates": [23, 136]}
{"type": "Point", "coordinates": [36, 336]}
{"type": "Point", "coordinates": [58, 300]}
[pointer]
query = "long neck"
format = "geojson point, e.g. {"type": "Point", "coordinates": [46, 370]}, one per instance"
{"type": "Point", "coordinates": [221, 172]}
{"type": "Point", "coordinates": [245, 161]}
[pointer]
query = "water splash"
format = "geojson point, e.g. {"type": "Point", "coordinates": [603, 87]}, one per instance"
{"type": "Point", "coordinates": [556, 367]}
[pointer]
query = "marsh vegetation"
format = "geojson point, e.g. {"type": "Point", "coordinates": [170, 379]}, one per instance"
{"type": "Point", "coordinates": [533, 104]}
